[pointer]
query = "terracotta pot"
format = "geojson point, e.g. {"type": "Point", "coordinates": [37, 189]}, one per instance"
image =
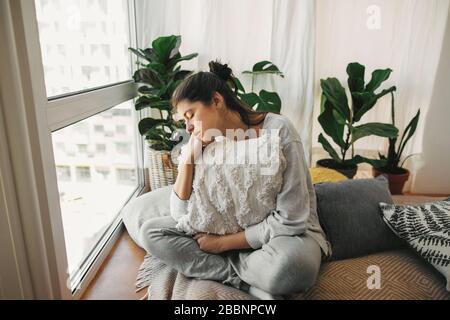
{"type": "Point", "coordinates": [349, 172]}
{"type": "Point", "coordinates": [396, 181]}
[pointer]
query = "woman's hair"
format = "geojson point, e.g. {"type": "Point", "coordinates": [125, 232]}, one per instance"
{"type": "Point", "coordinates": [200, 87]}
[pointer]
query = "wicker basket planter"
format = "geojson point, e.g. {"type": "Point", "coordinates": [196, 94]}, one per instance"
{"type": "Point", "coordinates": [162, 171]}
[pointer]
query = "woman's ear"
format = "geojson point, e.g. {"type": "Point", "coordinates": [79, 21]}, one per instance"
{"type": "Point", "coordinates": [218, 100]}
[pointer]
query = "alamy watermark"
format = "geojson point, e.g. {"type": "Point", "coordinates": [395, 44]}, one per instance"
{"type": "Point", "coordinates": [373, 21]}
{"type": "Point", "coordinates": [374, 280]}
{"type": "Point", "coordinates": [236, 149]}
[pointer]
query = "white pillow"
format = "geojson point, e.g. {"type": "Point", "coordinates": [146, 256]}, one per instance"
{"type": "Point", "coordinates": [149, 205]}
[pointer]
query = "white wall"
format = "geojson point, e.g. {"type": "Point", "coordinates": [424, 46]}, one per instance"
{"type": "Point", "coordinates": [434, 175]}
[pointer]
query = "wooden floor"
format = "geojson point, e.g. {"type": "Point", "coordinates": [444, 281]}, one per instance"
{"type": "Point", "coordinates": [115, 279]}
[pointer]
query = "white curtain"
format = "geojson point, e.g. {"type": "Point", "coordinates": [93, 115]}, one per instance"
{"type": "Point", "coordinates": [404, 35]}
{"type": "Point", "coordinates": [311, 40]}
{"type": "Point", "coordinates": [242, 33]}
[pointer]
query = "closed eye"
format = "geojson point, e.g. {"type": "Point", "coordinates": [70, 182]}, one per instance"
{"type": "Point", "coordinates": [189, 115]}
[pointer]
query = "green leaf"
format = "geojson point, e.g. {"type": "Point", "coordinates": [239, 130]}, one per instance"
{"type": "Point", "coordinates": [374, 128]}
{"type": "Point", "coordinates": [378, 77]}
{"type": "Point", "coordinates": [271, 101]}
{"type": "Point", "coordinates": [251, 98]}
{"type": "Point", "coordinates": [144, 101]}
{"type": "Point", "coordinates": [265, 67]}
{"type": "Point", "coordinates": [148, 76]}
{"type": "Point", "coordinates": [409, 132]}
{"type": "Point", "coordinates": [332, 123]}
{"type": "Point", "coordinates": [158, 68]}
{"type": "Point", "coordinates": [147, 91]}
{"type": "Point", "coordinates": [150, 55]}
{"type": "Point", "coordinates": [355, 73]}
{"type": "Point", "coordinates": [163, 105]}
{"type": "Point", "coordinates": [328, 148]}
{"type": "Point", "coordinates": [239, 85]}
{"type": "Point", "coordinates": [176, 60]}
{"type": "Point", "coordinates": [138, 53]}
{"type": "Point", "coordinates": [373, 162]}
{"type": "Point", "coordinates": [152, 102]}
{"type": "Point", "coordinates": [366, 101]}
{"type": "Point", "coordinates": [166, 47]}
{"type": "Point", "coordinates": [146, 124]}
{"type": "Point", "coordinates": [336, 95]}
{"type": "Point", "coordinates": [362, 102]}
{"type": "Point", "coordinates": [265, 101]}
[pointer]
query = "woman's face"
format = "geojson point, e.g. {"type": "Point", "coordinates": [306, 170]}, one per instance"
{"type": "Point", "coordinates": [200, 118]}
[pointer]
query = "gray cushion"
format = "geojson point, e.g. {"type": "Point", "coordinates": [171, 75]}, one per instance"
{"type": "Point", "coordinates": [350, 216]}
{"type": "Point", "coordinates": [149, 205]}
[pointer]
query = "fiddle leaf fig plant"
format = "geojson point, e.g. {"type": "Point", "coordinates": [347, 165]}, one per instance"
{"type": "Point", "coordinates": [264, 100]}
{"type": "Point", "coordinates": [158, 75]}
{"type": "Point", "coordinates": [339, 119]}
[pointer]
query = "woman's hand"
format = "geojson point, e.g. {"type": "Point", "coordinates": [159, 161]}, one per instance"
{"type": "Point", "coordinates": [193, 150]}
{"type": "Point", "coordinates": [210, 242]}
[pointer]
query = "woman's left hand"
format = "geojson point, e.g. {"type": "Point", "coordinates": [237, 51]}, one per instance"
{"type": "Point", "coordinates": [210, 242]}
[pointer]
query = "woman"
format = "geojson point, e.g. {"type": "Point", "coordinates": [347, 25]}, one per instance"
{"type": "Point", "coordinates": [278, 256]}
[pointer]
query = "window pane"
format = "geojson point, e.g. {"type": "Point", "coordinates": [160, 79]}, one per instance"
{"type": "Point", "coordinates": [96, 171]}
{"type": "Point", "coordinates": [84, 43]}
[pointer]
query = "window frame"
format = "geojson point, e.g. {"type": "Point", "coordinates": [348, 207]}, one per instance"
{"type": "Point", "coordinates": [43, 230]}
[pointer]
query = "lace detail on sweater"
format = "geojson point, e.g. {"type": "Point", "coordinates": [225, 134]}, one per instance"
{"type": "Point", "coordinates": [229, 197]}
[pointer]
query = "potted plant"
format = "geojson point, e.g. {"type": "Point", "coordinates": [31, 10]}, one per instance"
{"type": "Point", "coordinates": [338, 119]}
{"type": "Point", "coordinates": [159, 75]}
{"type": "Point", "coordinates": [397, 174]}
{"type": "Point", "coordinates": [264, 101]}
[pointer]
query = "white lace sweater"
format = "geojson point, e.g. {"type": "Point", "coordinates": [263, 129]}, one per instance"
{"type": "Point", "coordinates": [228, 199]}
{"type": "Point", "coordinates": [232, 190]}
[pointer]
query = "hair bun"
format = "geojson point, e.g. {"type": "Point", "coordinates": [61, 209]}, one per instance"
{"type": "Point", "coordinates": [221, 70]}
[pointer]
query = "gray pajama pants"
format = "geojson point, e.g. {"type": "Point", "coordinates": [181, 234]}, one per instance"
{"type": "Point", "coordinates": [286, 264]}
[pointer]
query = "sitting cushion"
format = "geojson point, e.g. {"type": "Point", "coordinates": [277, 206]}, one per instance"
{"type": "Point", "coordinates": [426, 228]}
{"type": "Point", "coordinates": [350, 216]}
{"type": "Point", "coordinates": [147, 206]}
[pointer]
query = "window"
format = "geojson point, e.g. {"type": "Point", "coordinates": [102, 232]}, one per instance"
{"type": "Point", "coordinates": [126, 176]}
{"type": "Point", "coordinates": [121, 129]}
{"type": "Point", "coordinates": [99, 128]}
{"type": "Point", "coordinates": [68, 27]}
{"type": "Point", "coordinates": [100, 148]}
{"type": "Point", "coordinates": [87, 71]}
{"type": "Point", "coordinates": [75, 198]}
{"type": "Point", "coordinates": [121, 112]}
{"type": "Point", "coordinates": [96, 196]}
{"type": "Point", "coordinates": [63, 173]}
{"type": "Point", "coordinates": [103, 173]}
{"type": "Point", "coordinates": [83, 174]}
{"type": "Point", "coordinates": [123, 147]}
{"type": "Point", "coordinates": [82, 148]}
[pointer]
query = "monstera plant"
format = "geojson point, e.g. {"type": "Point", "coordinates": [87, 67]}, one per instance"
{"type": "Point", "coordinates": [339, 119]}
{"type": "Point", "coordinates": [159, 75]}
{"type": "Point", "coordinates": [264, 100]}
